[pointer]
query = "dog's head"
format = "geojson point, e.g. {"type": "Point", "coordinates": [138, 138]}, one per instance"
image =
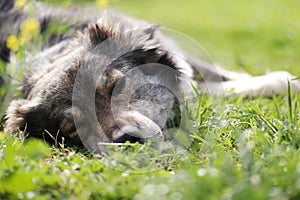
{"type": "Point", "coordinates": [116, 81]}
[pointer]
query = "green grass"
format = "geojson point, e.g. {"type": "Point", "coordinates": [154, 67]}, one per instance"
{"type": "Point", "coordinates": [241, 149]}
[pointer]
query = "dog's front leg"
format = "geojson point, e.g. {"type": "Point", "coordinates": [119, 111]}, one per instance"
{"type": "Point", "coordinates": [266, 85]}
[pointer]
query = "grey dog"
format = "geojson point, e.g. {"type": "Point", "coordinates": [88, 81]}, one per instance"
{"type": "Point", "coordinates": [117, 79]}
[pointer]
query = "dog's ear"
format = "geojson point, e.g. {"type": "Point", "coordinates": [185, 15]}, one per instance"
{"type": "Point", "coordinates": [98, 34]}
{"type": "Point", "coordinates": [126, 32]}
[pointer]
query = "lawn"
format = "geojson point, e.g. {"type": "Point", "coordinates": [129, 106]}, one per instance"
{"type": "Point", "coordinates": [240, 148]}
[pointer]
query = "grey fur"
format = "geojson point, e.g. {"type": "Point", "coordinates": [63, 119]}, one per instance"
{"type": "Point", "coordinates": [109, 84]}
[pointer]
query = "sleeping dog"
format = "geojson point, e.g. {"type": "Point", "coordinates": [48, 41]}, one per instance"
{"type": "Point", "coordinates": [116, 79]}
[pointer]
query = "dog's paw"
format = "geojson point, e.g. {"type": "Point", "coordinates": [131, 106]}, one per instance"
{"type": "Point", "coordinates": [266, 85]}
{"type": "Point", "coordinates": [15, 117]}
{"type": "Point", "coordinates": [278, 82]}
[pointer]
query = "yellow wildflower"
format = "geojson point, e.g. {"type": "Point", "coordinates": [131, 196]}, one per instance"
{"type": "Point", "coordinates": [12, 43]}
{"type": "Point", "coordinates": [102, 4]}
{"type": "Point", "coordinates": [20, 4]}
{"type": "Point", "coordinates": [29, 29]}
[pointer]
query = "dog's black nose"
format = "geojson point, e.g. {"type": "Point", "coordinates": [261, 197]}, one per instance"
{"type": "Point", "coordinates": [129, 137]}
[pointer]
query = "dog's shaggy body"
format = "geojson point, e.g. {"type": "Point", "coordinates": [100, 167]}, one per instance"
{"type": "Point", "coordinates": [109, 83]}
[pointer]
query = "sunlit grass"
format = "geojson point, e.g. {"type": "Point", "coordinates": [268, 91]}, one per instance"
{"type": "Point", "coordinates": [241, 149]}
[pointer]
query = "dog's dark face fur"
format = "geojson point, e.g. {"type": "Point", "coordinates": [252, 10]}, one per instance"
{"type": "Point", "coordinates": [115, 81]}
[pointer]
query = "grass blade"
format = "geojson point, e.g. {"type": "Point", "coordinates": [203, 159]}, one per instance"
{"type": "Point", "coordinates": [290, 101]}
{"type": "Point", "coordinates": [276, 106]}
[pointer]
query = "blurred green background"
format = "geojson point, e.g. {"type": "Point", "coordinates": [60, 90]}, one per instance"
{"type": "Point", "coordinates": [256, 36]}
